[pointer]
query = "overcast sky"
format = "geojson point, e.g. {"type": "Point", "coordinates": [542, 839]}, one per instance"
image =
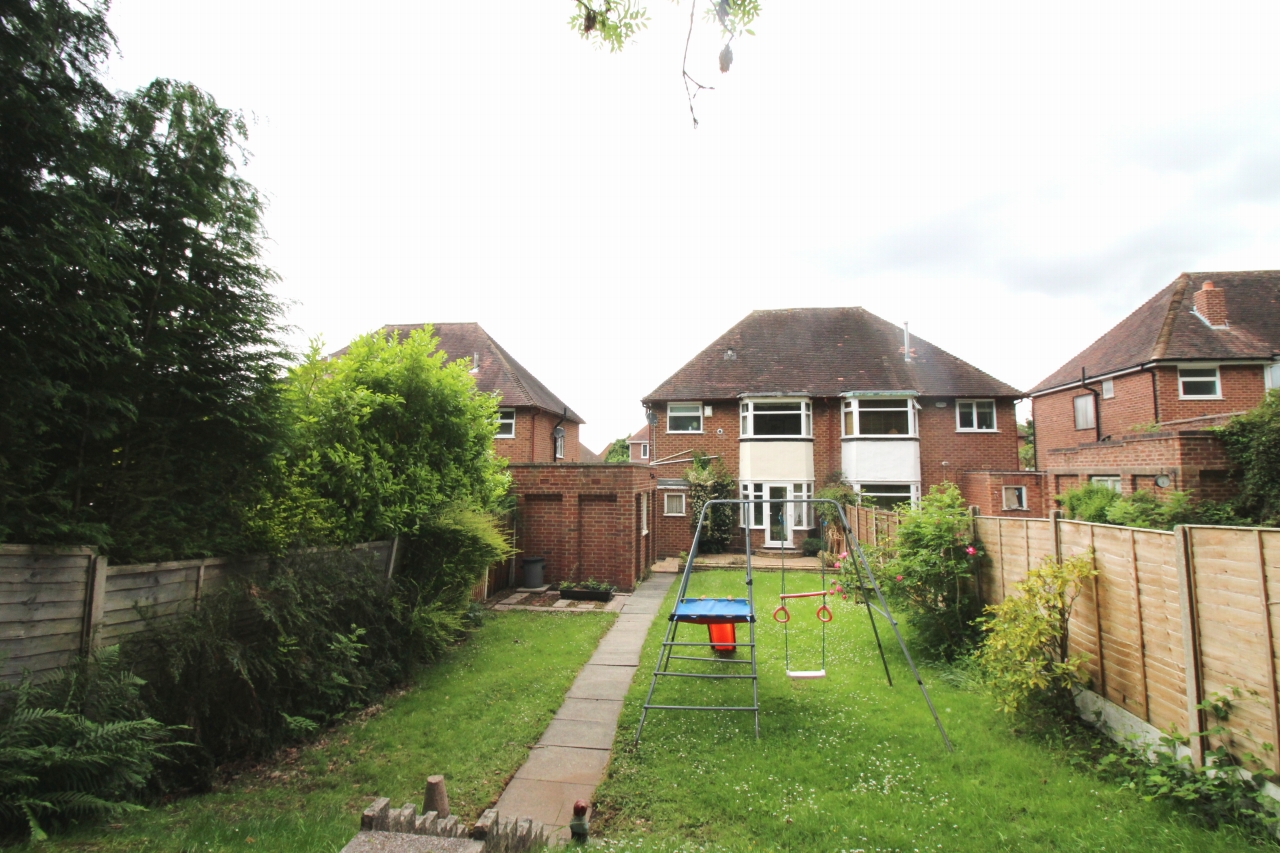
{"type": "Point", "coordinates": [1010, 178]}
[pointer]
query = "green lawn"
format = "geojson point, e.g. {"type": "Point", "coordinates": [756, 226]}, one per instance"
{"type": "Point", "coordinates": [847, 763]}
{"type": "Point", "coordinates": [472, 717]}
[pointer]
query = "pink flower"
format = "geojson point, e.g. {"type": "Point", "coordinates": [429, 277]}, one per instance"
{"type": "Point", "coordinates": [844, 555]}
{"type": "Point", "coordinates": [971, 550]}
{"type": "Point", "coordinates": [899, 577]}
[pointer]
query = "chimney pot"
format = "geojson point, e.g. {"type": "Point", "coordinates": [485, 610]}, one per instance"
{"type": "Point", "coordinates": [1211, 305]}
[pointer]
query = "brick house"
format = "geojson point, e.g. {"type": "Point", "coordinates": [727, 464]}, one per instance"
{"type": "Point", "coordinates": [534, 424]}
{"type": "Point", "coordinates": [791, 400]}
{"type": "Point", "coordinates": [638, 444]}
{"type": "Point", "coordinates": [1131, 411]}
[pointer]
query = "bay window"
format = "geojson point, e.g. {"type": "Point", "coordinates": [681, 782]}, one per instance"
{"type": "Point", "coordinates": [776, 418]}
{"type": "Point", "coordinates": [879, 416]}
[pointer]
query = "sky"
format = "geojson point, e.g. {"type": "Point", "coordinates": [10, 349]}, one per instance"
{"type": "Point", "coordinates": [1010, 178]}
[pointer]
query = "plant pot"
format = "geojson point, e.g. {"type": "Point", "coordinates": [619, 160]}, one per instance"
{"type": "Point", "coordinates": [587, 594]}
{"type": "Point", "coordinates": [533, 567]}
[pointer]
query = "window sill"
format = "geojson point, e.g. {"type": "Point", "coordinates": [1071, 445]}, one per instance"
{"type": "Point", "coordinates": [684, 432]}
{"type": "Point", "coordinates": [1180, 397]}
{"type": "Point", "coordinates": [878, 437]}
{"type": "Point", "coordinates": [985, 431]}
{"type": "Point", "coordinates": [1014, 509]}
{"type": "Point", "coordinates": [504, 437]}
{"type": "Point", "coordinates": [673, 515]}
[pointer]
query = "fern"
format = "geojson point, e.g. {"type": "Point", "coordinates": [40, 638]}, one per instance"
{"type": "Point", "coordinates": [76, 746]}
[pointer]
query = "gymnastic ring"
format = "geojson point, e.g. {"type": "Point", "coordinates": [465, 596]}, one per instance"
{"type": "Point", "coordinates": [821, 609]}
{"type": "Point", "coordinates": [786, 617]}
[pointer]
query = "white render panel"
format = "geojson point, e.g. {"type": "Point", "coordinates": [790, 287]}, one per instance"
{"type": "Point", "coordinates": [869, 461]}
{"type": "Point", "coordinates": [775, 460]}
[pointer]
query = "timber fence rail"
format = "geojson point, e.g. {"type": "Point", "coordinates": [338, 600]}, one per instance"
{"type": "Point", "coordinates": [58, 602]}
{"type": "Point", "coordinates": [1172, 618]}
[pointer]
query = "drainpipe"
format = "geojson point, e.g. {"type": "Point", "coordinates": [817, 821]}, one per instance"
{"type": "Point", "coordinates": [1097, 407]}
{"type": "Point", "coordinates": [563, 417]}
{"type": "Point", "coordinates": [1155, 395]}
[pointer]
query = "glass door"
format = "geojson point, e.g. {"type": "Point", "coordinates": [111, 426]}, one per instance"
{"type": "Point", "coordinates": [779, 527]}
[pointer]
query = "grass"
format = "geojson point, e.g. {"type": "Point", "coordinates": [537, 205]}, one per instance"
{"type": "Point", "coordinates": [472, 716]}
{"type": "Point", "coordinates": [847, 763]}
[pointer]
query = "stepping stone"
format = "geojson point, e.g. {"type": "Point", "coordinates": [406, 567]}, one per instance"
{"type": "Point", "coordinates": [515, 599]}
{"type": "Point", "coordinates": [579, 733]}
{"type": "Point", "coordinates": [590, 710]}
{"type": "Point", "coordinates": [548, 802]}
{"type": "Point", "coordinates": [563, 764]}
{"type": "Point", "coordinates": [586, 605]}
{"type": "Point", "coordinates": [563, 602]}
{"type": "Point", "coordinates": [399, 842]}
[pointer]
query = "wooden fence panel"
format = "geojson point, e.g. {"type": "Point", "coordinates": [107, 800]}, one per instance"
{"type": "Point", "coordinates": [1161, 624]}
{"type": "Point", "coordinates": [43, 600]}
{"type": "Point", "coordinates": [1119, 619]}
{"type": "Point", "coordinates": [1235, 653]}
{"type": "Point", "coordinates": [53, 605]}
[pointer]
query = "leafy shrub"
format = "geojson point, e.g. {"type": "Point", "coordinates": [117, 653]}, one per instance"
{"type": "Point", "coordinates": [1025, 655]}
{"type": "Point", "coordinates": [811, 546]}
{"type": "Point", "coordinates": [708, 480]}
{"type": "Point", "coordinates": [590, 584]}
{"type": "Point", "coordinates": [1216, 794]}
{"type": "Point", "coordinates": [930, 567]}
{"type": "Point", "coordinates": [77, 745]}
{"type": "Point", "coordinates": [1252, 441]}
{"type": "Point", "coordinates": [1102, 505]}
{"type": "Point", "coordinates": [841, 493]}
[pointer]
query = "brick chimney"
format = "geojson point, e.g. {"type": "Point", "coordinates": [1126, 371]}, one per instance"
{"type": "Point", "coordinates": [1211, 305]}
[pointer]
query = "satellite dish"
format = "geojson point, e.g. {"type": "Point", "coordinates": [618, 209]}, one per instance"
{"type": "Point", "coordinates": [558, 432]}
{"type": "Point", "coordinates": [652, 418]}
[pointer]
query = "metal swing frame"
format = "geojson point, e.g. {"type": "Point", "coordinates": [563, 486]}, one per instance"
{"type": "Point", "coordinates": [666, 653]}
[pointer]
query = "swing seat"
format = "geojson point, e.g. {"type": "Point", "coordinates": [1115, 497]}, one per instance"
{"type": "Point", "coordinates": [807, 673]}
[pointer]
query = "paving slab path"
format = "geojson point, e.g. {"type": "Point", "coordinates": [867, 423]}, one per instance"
{"type": "Point", "coordinates": [569, 760]}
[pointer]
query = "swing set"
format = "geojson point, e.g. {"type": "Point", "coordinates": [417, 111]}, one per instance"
{"type": "Point", "coordinates": [723, 615]}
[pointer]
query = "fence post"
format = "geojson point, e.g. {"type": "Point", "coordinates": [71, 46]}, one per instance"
{"type": "Point", "coordinates": [393, 558]}
{"type": "Point", "coordinates": [1000, 551]}
{"type": "Point", "coordinates": [199, 582]}
{"type": "Point", "coordinates": [1190, 646]}
{"type": "Point", "coordinates": [1271, 654]}
{"type": "Point", "coordinates": [94, 595]}
{"type": "Point", "coordinates": [1097, 617]}
{"type": "Point", "coordinates": [1137, 608]}
{"type": "Point", "coordinates": [1055, 518]}
{"type": "Point", "coordinates": [973, 537]}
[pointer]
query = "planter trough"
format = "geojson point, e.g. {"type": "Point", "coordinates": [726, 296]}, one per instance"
{"type": "Point", "coordinates": [587, 594]}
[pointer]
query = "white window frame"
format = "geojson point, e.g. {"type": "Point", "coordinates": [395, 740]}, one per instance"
{"type": "Point", "coordinates": [666, 503]}
{"type": "Point", "coordinates": [644, 450]}
{"type": "Point", "coordinates": [912, 496]}
{"type": "Point", "coordinates": [851, 406]}
{"type": "Point", "coordinates": [1108, 389]}
{"type": "Point", "coordinates": [1217, 382]}
{"type": "Point", "coordinates": [692, 410]}
{"type": "Point", "coordinates": [747, 415]}
{"type": "Point", "coordinates": [1092, 419]}
{"type": "Point", "coordinates": [1019, 501]}
{"type": "Point", "coordinates": [972, 405]}
{"type": "Point", "coordinates": [1271, 375]}
{"type": "Point", "coordinates": [644, 513]}
{"type": "Point", "coordinates": [559, 443]}
{"type": "Point", "coordinates": [502, 420]}
{"type": "Point", "coordinates": [1111, 481]}
{"type": "Point", "coordinates": [757, 492]}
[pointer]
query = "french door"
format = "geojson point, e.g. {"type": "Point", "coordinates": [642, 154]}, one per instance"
{"type": "Point", "coordinates": [778, 520]}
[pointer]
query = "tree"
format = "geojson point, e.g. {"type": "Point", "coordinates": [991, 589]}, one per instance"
{"type": "Point", "coordinates": [708, 480]}
{"type": "Point", "coordinates": [1027, 452]}
{"type": "Point", "coordinates": [618, 451]}
{"type": "Point", "coordinates": [137, 329]}
{"type": "Point", "coordinates": [616, 23]}
{"type": "Point", "coordinates": [387, 439]}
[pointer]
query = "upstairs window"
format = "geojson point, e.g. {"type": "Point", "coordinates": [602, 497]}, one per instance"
{"type": "Point", "coordinates": [1271, 373]}
{"type": "Point", "coordinates": [878, 416]}
{"type": "Point", "coordinates": [776, 418]}
{"type": "Point", "coordinates": [506, 423]}
{"type": "Point", "coordinates": [1084, 411]}
{"type": "Point", "coordinates": [1198, 383]}
{"type": "Point", "coordinates": [559, 439]}
{"type": "Point", "coordinates": [684, 417]}
{"type": "Point", "coordinates": [976, 415]}
{"type": "Point", "coordinates": [1108, 389]}
{"type": "Point", "coordinates": [644, 450]}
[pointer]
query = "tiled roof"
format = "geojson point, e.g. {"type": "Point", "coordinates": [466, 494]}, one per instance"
{"type": "Point", "coordinates": [641, 436]}
{"type": "Point", "coordinates": [822, 352]}
{"type": "Point", "coordinates": [498, 371]}
{"type": "Point", "coordinates": [1165, 329]}
{"type": "Point", "coordinates": [587, 455]}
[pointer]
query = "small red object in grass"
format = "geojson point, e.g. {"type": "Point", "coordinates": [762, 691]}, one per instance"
{"type": "Point", "coordinates": [579, 808]}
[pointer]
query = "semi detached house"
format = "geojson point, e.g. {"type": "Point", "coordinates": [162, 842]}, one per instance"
{"type": "Point", "coordinates": [794, 399]}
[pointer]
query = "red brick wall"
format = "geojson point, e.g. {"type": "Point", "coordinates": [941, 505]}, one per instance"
{"type": "Point", "coordinates": [724, 417]}
{"type": "Point", "coordinates": [635, 453]}
{"type": "Point", "coordinates": [584, 519]}
{"type": "Point", "coordinates": [963, 451]}
{"type": "Point", "coordinates": [985, 490]}
{"type": "Point", "coordinates": [1135, 404]}
{"type": "Point", "coordinates": [1194, 460]}
{"type": "Point", "coordinates": [532, 441]}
